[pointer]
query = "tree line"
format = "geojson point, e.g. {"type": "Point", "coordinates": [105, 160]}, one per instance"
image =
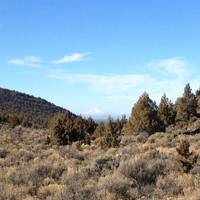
{"type": "Point", "coordinates": [146, 116]}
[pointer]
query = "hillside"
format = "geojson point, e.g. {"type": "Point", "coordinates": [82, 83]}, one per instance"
{"type": "Point", "coordinates": [35, 108]}
{"type": "Point", "coordinates": [12, 101]}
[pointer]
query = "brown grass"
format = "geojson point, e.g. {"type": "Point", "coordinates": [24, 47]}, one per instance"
{"type": "Point", "coordinates": [141, 167]}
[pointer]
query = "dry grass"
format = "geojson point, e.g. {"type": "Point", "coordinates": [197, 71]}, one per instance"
{"type": "Point", "coordinates": [141, 167]}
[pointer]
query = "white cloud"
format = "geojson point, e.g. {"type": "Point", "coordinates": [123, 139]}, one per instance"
{"type": "Point", "coordinates": [75, 57]}
{"type": "Point", "coordinates": [108, 84]}
{"type": "Point", "coordinates": [32, 61]}
{"type": "Point", "coordinates": [175, 73]}
{"type": "Point", "coordinates": [172, 66]}
{"type": "Point", "coordinates": [128, 87]}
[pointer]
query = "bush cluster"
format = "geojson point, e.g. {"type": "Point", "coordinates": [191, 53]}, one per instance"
{"type": "Point", "coordinates": [23, 119]}
{"type": "Point", "coordinates": [108, 133]}
{"type": "Point", "coordinates": [66, 129]}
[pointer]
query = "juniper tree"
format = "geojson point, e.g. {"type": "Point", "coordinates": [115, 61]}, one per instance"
{"type": "Point", "coordinates": [110, 138]}
{"type": "Point", "coordinates": [108, 134]}
{"type": "Point", "coordinates": [67, 129]}
{"type": "Point", "coordinates": [186, 105]}
{"type": "Point", "coordinates": [186, 158]}
{"type": "Point", "coordinates": [144, 115]}
{"type": "Point", "coordinates": [59, 132]}
{"type": "Point", "coordinates": [198, 101]}
{"type": "Point", "coordinates": [165, 111]}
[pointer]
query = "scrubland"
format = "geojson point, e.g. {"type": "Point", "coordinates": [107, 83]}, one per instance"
{"type": "Point", "coordinates": [141, 167]}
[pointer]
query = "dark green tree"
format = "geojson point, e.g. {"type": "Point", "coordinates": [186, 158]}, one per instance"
{"type": "Point", "coordinates": [58, 131]}
{"type": "Point", "coordinates": [198, 101]}
{"type": "Point", "coordinates": [186, 106]}
{"type": "Point", "coordinates": [144, 115]}
{"type": "Point", "coordinates": [166, 112]}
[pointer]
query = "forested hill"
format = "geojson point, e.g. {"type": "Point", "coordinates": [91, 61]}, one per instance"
{"type": "Point", "coordinates": [18, 104]}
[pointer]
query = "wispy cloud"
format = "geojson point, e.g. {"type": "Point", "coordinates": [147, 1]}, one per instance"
{"type": "Point", "coordinates": [31, 61]}
{"type": "Point", "coordinates": [127, 87]}
{"type": "Point", "coordinates": [175, 72]}
{"type": "Point", "coordinates": [75, 57]}
{"type": "Point", "coordinates": [108, 84]}
{"type": "Point", "coordinates": [35, 61]}
{"type": "Point", "coordinates": [177, 66]}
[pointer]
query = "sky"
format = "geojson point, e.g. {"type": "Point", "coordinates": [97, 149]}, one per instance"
{"type": "Point", "coordinates": [97, 57]}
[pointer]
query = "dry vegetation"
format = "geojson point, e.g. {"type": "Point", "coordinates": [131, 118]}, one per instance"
{"type": "Point", "coordinates": [142, 167]}
{"type": "Point", "coordinates": [154, 155]}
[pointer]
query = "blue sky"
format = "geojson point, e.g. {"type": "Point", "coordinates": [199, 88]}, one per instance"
{"type": "Point", "coordinates": [97, 57]}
